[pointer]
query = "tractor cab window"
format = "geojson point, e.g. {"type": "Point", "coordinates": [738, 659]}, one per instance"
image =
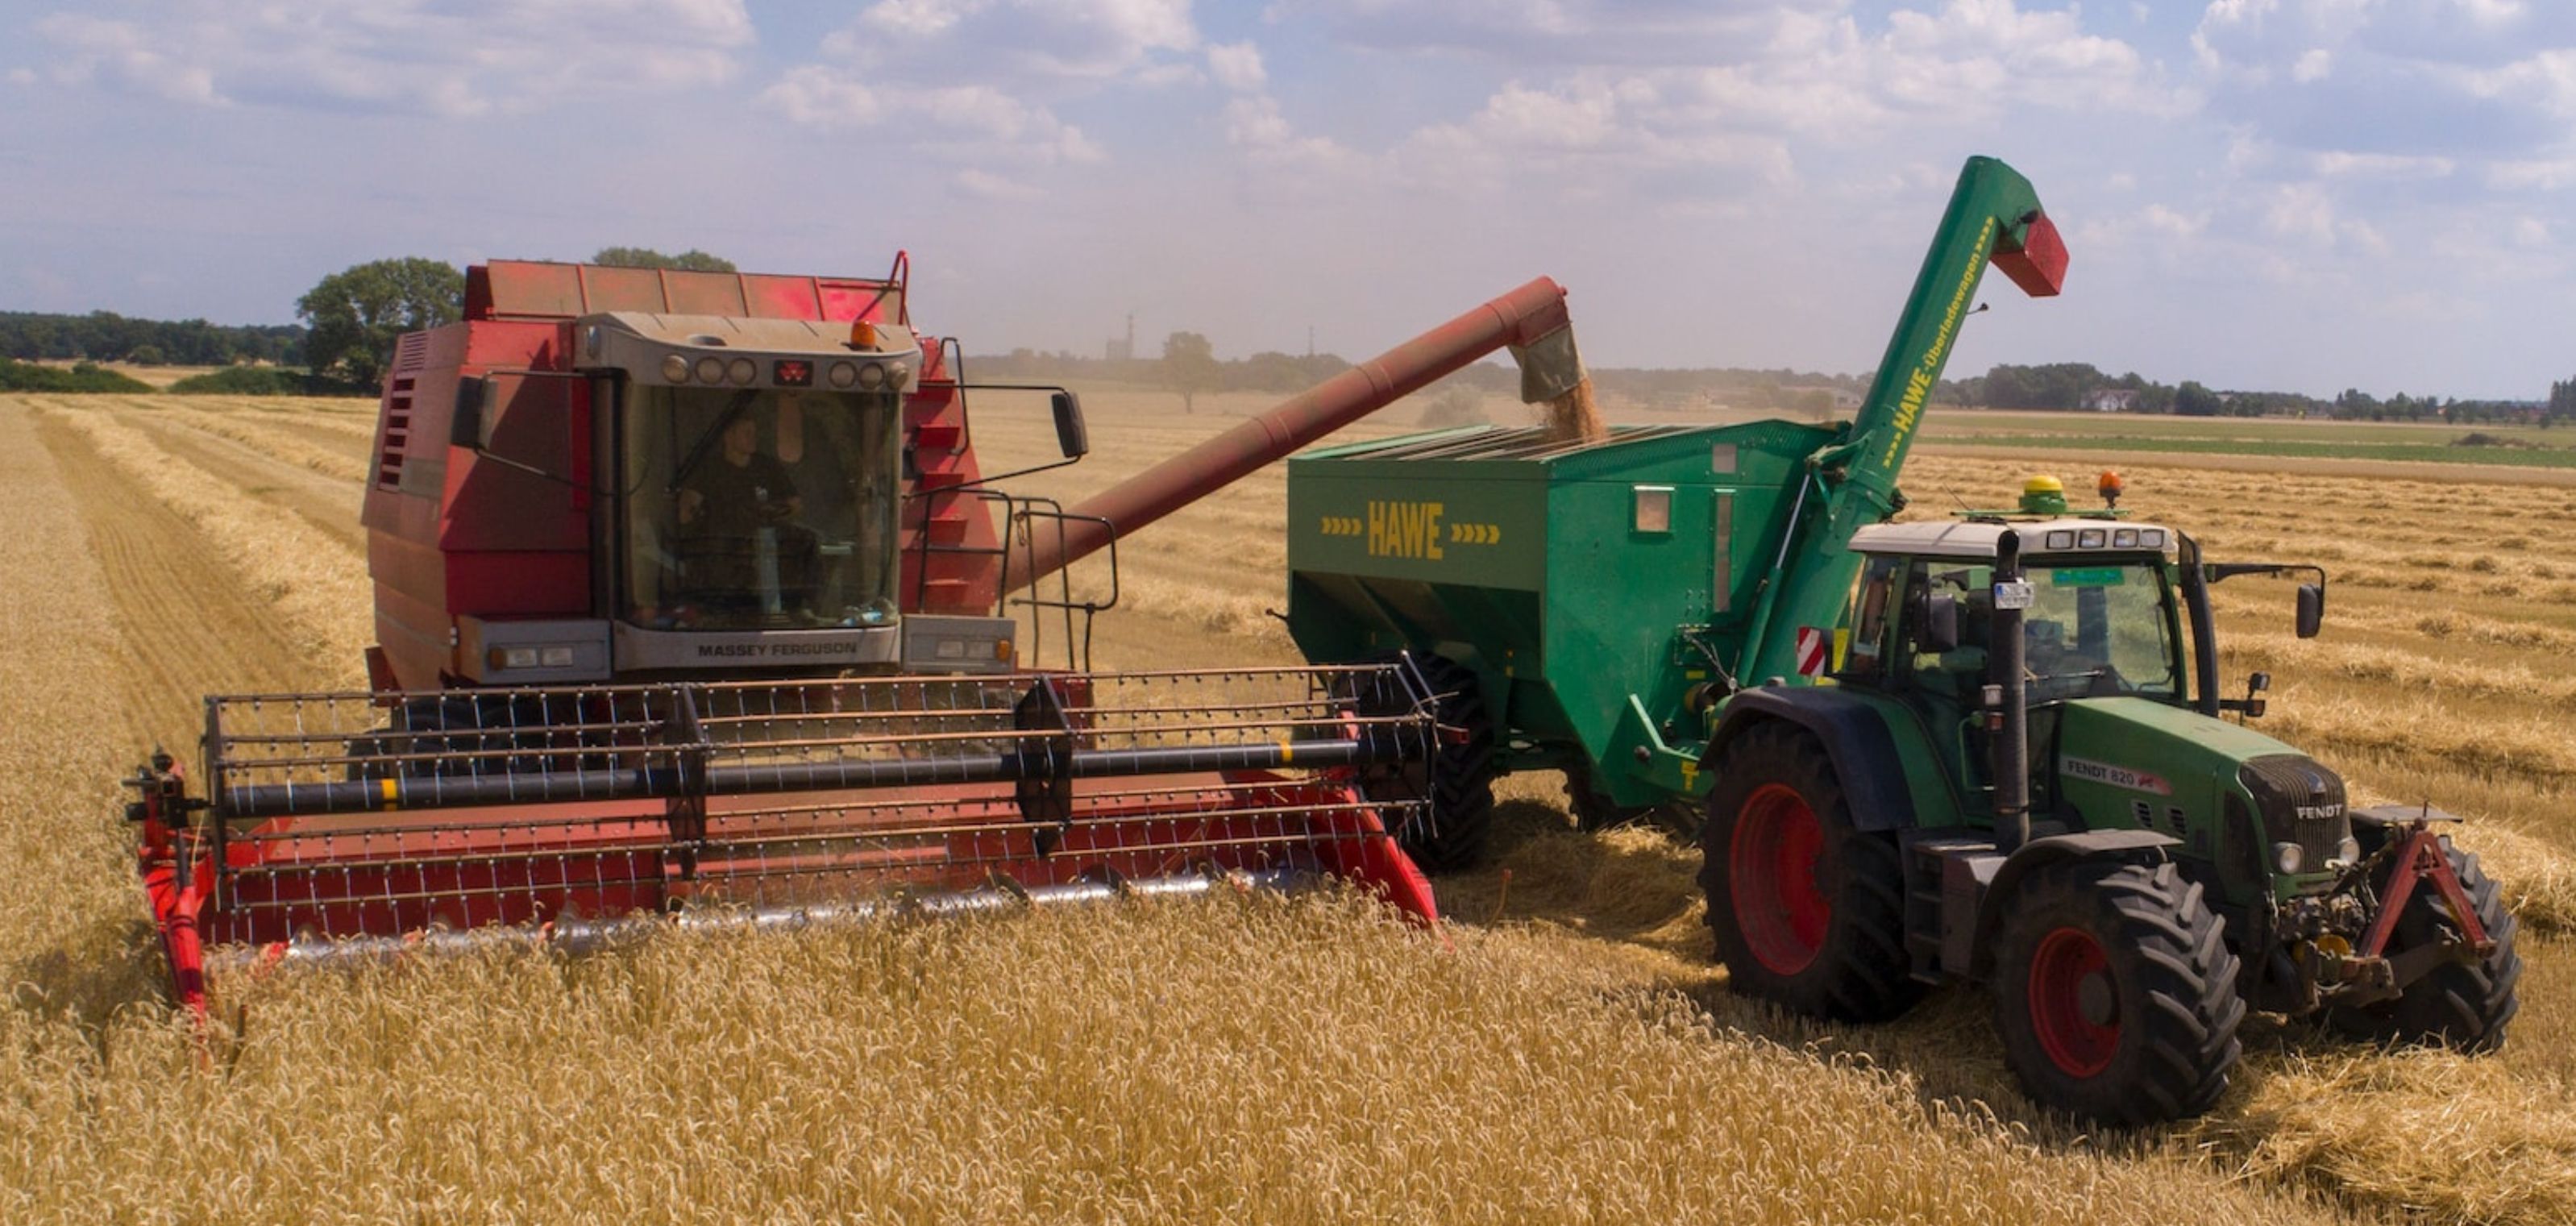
{"type": "Point", "coordinates": [1865, 660]}
{"type": "Point", "coordinates": [2091, 630]}
{"type": "Point", "coordinates": [756, 509]}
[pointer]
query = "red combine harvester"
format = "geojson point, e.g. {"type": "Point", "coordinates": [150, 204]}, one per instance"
{"type": "Point", "coordinates": [694, 606]}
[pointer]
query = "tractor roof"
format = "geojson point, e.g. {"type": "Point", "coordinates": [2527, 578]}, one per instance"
{"type": "Point", "coordinates": [1975, 538]}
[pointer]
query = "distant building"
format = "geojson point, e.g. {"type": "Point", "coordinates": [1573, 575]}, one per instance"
{"type": "Point", "coordinates": [1124, 350]}
{"type": "Point", "coordinates": [2111, 399]}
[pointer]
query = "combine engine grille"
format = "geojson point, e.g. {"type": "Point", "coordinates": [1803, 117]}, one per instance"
{"type": "Point", "coordinates": [340, 821]}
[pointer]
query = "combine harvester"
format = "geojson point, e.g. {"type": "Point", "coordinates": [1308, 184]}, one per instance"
{"type": "Point", "coordinates": [1989, 749]}
{"type": "Point", "coordinates": [690, 597]}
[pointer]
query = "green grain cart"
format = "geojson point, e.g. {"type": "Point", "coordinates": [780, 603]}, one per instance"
{"type": "Point", "coordinates": [1990, 748]}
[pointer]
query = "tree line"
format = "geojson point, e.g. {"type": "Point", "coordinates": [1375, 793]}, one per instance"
{"type": "Point", "coordinates": [105, 336]}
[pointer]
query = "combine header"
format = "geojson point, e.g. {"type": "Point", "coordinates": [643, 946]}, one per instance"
{"type": "Point", "coordinates": [691, 604]}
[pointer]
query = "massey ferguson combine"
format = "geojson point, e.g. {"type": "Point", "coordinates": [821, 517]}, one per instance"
{"type": "Point", "coordinates": [691, 603]}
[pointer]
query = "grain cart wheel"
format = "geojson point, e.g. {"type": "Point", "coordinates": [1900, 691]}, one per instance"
{"type": "Point", "coordinates": [1458, 780]}
{"type": "Point", "coordinates": [1807, 910]}
{"type": "Point", "coordinates": [2115, 993]}
{"type": "Point", "coordinates": [2465, 1005]}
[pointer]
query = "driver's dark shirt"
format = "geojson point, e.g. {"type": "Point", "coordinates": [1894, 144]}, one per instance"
{"type": "Point", "coordinates": [734, 495]}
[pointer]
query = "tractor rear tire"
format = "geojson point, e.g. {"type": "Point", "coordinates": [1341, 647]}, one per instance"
{"type": "Point", "coordinates": [2462, 1005]}
{"type": "Point", "coordinates": [1808, 911]}
{"type": "Point", "coordinates": [2115, 994]}
{"type": "Point", "coordinates": [1458, 781]}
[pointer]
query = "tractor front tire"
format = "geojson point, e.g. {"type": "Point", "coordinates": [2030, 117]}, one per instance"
{"type": "Point", "coordinates": [2463, 1005]}
{"type": "Point", "coordinates": [2115, 993]}
{"type": "Point", "coordinates": [1808, 911]}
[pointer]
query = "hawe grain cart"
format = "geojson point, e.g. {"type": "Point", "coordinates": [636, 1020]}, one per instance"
{"type": "Point", "coordinates": [1992, 749]}
{"type": "Point", "coordinates": [690, 595]}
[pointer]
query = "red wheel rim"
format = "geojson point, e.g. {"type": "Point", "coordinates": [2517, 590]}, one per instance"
{"type": "Point", "coordinates": [1772, 861]}
{"type": "Point", "coordinates": [2074, 1004]}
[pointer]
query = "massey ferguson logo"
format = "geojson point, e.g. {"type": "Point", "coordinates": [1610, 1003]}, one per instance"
{"type": "Point", "coordinates": [737, 651]}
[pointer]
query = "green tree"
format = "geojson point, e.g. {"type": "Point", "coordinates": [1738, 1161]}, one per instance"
{"type": "Point", "coordinates": [691, 260]}
{"type": "Point", "coordinates": [147, 355]}
{"type": "Point", "coordinates": [2193, 400]}
{"type": "Point", "coordinates": [357, 313]}
{"type": "Point", "coordinates": [1190, 367]}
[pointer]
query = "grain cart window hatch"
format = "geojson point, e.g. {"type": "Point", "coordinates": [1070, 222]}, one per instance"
{"type": "Point", "coordinates": [1654, 509]}
{"type": "Point", "coordinates": [1721, 459]}
{"type": "Point", "coordinates": [1721, 578]}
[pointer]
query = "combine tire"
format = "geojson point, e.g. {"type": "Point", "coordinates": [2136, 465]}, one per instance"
{"type": "Point", "coordinates": [1808, 911]}
{"type": "Point", "coordinates": [2115, 993]}
{"type": "Point", "coordinates": [1458, 780]}
{"type": "Point", "coordinates": [2463, 1005]}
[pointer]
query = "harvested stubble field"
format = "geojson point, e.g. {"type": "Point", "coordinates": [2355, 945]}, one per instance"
{"type": "Point", "coordinates": [1568, 1055]}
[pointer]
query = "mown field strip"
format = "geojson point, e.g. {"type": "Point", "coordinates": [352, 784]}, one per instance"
{"type": "Point", "coordinates": [316, 584]}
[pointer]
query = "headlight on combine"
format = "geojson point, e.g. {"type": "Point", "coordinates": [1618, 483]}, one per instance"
{"type": "Point", "coordinates": [675, 369]}
{"type": "Point", "coordinates": [742, 370]}
{"type": "Point", "coordinates": [872, 376]}
{"type": "Point", "coordinates": [710, 370]}
{"type": "Point", "coordinates": [843, 374]}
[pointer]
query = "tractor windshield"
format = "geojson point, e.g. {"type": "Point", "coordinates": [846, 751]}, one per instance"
{"type": "Point", "coordinates": [2092, 629]}
{"type": "Point", "coordinates": [757, 509]}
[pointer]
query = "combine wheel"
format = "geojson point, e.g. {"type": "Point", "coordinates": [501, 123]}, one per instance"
{"type": "Point", "coordinates": [1458, 780]}
{"type": "Point", "coordinates": [2115, 993]}
{"type": "Point", "coordinates": [1807, 910]}
{"type": "Point", "coordinates": [2464, 1004]}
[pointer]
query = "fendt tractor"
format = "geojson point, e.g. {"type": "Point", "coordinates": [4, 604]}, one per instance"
{"type": "Point", "coordinates": [690, 595]}
{"type": "Point", "coordinates": [1990, 749]}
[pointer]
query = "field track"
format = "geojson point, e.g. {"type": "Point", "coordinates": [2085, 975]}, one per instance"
{"type": "Point", "coordinates": [1571, 1057]}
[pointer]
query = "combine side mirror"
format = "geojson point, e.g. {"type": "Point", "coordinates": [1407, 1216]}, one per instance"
{"type": "Point", "coordinates": [1071, 436]}
{"type": "Point", "coordinates": [2312, 609]}
{"type": "Point", "coordinates": [469, 426]}
{"type": "Point", "coordinates": [1940, 624]}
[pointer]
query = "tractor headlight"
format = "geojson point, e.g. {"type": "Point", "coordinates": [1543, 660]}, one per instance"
{"type": "Point", "coordinates": [2348, 851]}
{"type": "Point", "coordinates": [675, 369]}
{"type": "Point", "coordinates": [2288, 858]}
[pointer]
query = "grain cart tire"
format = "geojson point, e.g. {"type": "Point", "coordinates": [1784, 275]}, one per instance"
{"type": "Point", "coordinates": [1807, 910]}
{"type": "Point", "coordinates": [2462, 1005]}
{"type": "Point", "coordinates": [2115, 994]}
{"type": "Point", "coordinates": [1458, 780]}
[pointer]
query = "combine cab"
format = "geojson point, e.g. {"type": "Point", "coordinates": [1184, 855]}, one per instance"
{"type": "Point", "coordinates": [691, 603]}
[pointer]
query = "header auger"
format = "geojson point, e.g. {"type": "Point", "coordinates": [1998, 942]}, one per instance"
{"type": "Point", "coordinates": [694, 606]}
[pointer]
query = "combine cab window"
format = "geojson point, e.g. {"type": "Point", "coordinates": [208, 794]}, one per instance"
{"type": "Point", "coordinates": [752, 510]}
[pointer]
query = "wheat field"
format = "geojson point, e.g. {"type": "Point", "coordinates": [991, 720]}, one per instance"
{"type": "Point", "coordinates": [1564, 1052]}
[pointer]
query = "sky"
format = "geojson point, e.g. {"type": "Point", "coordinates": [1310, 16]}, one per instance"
{"type": "Point", "coordinates": [2301, 195]}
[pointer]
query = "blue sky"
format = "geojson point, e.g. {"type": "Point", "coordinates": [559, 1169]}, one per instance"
{"type": "Point", "coordinates": [2299, 194]}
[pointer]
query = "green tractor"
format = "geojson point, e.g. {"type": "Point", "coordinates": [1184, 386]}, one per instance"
{"type": "Point", "coordinates": [1991, 748]}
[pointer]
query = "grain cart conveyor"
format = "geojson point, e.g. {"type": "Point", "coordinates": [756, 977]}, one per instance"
{"type": "Point", "coordinates": [691, 604]}
{"type": "Point", "coordinates": [1988, 750]}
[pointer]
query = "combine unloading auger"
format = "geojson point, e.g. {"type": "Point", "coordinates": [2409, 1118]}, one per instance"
{"type": "Point", "coordinates": [849, 730]}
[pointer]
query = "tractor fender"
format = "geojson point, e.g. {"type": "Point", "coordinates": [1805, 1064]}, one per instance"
{"type": "Point", "coordinates": [2126, 846]}
{"type": "Point", "coordinates": [1854, 735]}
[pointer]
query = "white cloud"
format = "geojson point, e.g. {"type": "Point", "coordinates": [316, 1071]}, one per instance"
{"type": "Point", "coordinates": [462, 58]}
{"type": "Point", "coordinates": [22, 76]}
{"type": "Point", "coordinates": [2312, 65]}
{"type": "Point", "coordinates": [981, 80]}
{"type": "Point", "coordinates": [2339, 164]}
{"type": "Point", "coordinates": [968, 121]}
{"type": "Point", "coordinates": [991, 186]}
{"type": "Point", "coordinates": [1237, 66]}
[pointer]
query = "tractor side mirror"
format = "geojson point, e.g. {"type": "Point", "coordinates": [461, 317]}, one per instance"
{"type": "Point", "coordinates": [1072, 437]}
{"type": "Point", "coordinates": [470, 425]}
{"type": "Point", "coordinates": [2312, 609]}
{"type": "Point", "coordinates": [1940, 631]}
